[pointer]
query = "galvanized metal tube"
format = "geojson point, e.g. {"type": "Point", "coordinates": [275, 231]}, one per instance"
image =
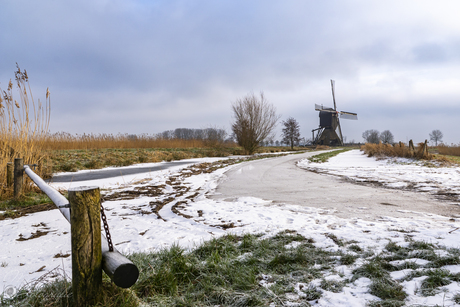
{"type": "Point", "coordinates": [57, 198]}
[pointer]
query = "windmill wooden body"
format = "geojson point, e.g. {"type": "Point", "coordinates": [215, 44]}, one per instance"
{"type": "Point", "coordinates": [329, 131]}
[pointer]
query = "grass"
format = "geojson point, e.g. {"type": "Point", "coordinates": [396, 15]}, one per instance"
{"type": "Point", "coordinates": [25, 200]}
{"type": "Point", "coordinates": [73, 160]}
{"type": "Point", "coordinates": [225, 271]}
{"type": "Point", "coordinates": [252, 270]}
{"type": "Point", "coordinates": [324, 157]}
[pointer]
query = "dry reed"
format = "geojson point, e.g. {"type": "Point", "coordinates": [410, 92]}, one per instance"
{"type": "Point", "coordinates": [449, 150]}
{"type": "Point", "coordinates": [397, 150]}
{"type": "Point", "coordinates": [23, 127]}
{"type": "Point", "coordinates": [67, 141]}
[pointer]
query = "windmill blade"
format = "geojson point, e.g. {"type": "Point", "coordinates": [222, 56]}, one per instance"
{"type": "Point", "coordinates": [333, 94]}
{"type": "Point", "coordinates": [348, 115]}
{"type": "Point", "coordinates": [318, 107]}
{"type": "Point", "coordinates": [323, 109]}
{"type": "Point", "coordinates": [339, 129]}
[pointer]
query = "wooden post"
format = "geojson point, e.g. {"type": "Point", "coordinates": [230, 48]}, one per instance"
{"type": "Point", "coordinates": [18, 176]}
{"type": "Point", "coordinates": [9, 174]}
{"type": "Point", "coordinates": [425, 149]}
{"type": "Point", "coordinates": [411, 145]}
{"type": "Point", "coordinates": [411, 148]}
{"type": "Point", "coordinates": [85, 220]}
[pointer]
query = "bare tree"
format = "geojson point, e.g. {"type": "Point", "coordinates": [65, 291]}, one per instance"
{"type": "Point", "coordinates": [436, 136]}
{"type": "Point", "coordinates": [214, 137]}
{"type": "Point", "coordinates": [371, 136]}
{"type": "Point", "coordinates": [387, 137]}
{"type": "Point", "coordinates": [291, 132]}
{"type": "Point", "coordinates": [255, 120]}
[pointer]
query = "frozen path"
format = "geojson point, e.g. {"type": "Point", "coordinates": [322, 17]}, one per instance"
{"type": "Point", "coordinates": [111, 172]}
{"type": "Point", "coordinates": [280, 180]}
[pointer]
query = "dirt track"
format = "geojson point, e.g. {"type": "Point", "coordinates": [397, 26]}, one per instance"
{"type": "Point", "coordinates": [280, 180]}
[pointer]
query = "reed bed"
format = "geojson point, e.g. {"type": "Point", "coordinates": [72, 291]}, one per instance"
{"type": "Point", "coordinates": [449, 150]}
{"type": "Point", "coordinates": [67, 141]}
{"type": "Point", "coordinates": [397, 150]}
{"type": "Point", "coordinates": [23, 127]}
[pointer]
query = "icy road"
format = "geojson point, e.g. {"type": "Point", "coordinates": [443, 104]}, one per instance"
{"type": "Point", "coordinates": [283, 181]}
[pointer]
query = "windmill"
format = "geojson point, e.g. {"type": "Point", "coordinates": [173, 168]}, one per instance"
{"type": "Point", "coordinates": [329, 131]}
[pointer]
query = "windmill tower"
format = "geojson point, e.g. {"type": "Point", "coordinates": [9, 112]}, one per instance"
{"type": "Point", "coordinates": [329, 131]}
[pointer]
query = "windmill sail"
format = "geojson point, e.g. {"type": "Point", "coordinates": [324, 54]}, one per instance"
{"type": "Point", "coordinates": [318, 107]}
{"type": "Point", "coordinates": [348, 115]}
{"type": "Point", "coordinates": [321, 108]}
{"type": "Point", "coordinates": [333, 93]}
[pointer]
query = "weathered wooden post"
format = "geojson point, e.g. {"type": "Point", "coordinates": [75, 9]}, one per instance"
{"type": "Point", "coordinates": [18, 177]}
{"type": "Point", "coordinates": [9, 174]}
{"type": "Point", "coordinates": [85, 220]}
{"type": "Point", "coordinates": [411, 148]}
{"type": "Point", "coordinates": [425, 150]}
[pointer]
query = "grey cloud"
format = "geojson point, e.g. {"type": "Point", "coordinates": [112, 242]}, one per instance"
{"type": "Point", "coordinates": [164, 64]}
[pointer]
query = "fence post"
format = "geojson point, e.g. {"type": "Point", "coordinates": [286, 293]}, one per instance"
{"type": "Point", "coordinates": [85, 220]}
{"type": "Point", "coordinates": [18, 176]}
{"type": "Point", "coordinates": [9, 174]}
{"type": "Point", "coordinates": [425, 149]}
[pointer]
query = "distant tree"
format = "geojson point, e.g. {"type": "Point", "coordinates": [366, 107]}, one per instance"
{"type": "Point", "coordinates": [277, 143]}
{"type": "Point", "coordinates": [291, 132]}
{"type": "Point", "coordinates": [436, 136]}
{"type": "Point", "coordinates": [255, 120]}
{"type": "Point", "coordinates": [269, 141]}
{"type": "Point", "coordinates": [166, 135]}
{"type": "Point", "coordinates": [371, 136]}
{"type": "Point", "coordinates": [387, 137]}
{"type": "Point", "coordinates": [213, 137]}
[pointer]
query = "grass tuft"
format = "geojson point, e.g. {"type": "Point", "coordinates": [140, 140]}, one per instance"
{"type": "Point", "coordinates": [387, 289]}
{"type": "Point", "coordinates": [324, 157]}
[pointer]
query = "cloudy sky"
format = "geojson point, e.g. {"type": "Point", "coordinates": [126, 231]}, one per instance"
{"type": "Point", "coordinates": [145, 66]}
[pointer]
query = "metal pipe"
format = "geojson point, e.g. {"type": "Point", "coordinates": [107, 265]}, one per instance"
{"type": "Point", "coordinates": [57, 198]}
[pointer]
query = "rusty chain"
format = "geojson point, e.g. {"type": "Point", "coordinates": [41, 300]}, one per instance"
{"type": "Point", "coordinates": [106, 228]}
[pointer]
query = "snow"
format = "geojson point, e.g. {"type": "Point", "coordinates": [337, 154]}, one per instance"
{"type": "Point", "coordinates": [133, 231]}
{"type": "Point", "coordinates": [391, 172]}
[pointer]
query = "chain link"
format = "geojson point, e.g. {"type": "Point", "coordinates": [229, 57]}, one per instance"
{"type": "Point", "coordinates": [106, 228]}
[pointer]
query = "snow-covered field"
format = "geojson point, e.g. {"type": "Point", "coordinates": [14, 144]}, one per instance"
{"type": "Point", "coordinates": [36, 244]}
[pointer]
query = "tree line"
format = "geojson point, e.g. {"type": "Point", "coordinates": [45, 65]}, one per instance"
{"type": "Point", "coordinates": [386, 137]}
{"type": "Point", "coordinates": [194, 134]}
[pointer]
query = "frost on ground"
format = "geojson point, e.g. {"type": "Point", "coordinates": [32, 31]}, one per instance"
{"type": "Point", "coordinates": [151, 211]}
